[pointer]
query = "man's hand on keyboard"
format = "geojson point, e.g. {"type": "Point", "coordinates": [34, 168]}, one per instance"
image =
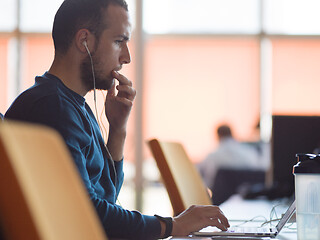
{"type": "Point", "coordinates": [197, 217]}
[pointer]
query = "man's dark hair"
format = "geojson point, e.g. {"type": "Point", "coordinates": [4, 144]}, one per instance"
{"type": "Point", "coordinates": [224, 131]}
{"type": "Point", "coordinates": [74, 15]}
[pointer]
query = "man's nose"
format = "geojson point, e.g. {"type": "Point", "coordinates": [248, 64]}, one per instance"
{"type": "Point", "coordinates": [125, 56]}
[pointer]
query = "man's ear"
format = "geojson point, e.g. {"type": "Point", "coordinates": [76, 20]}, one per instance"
{"type": "Point", "coordinates": [83, 36]}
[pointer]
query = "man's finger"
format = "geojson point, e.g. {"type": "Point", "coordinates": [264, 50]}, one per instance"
{"type": "Point", "coordinates": [126, 91]}
{"type": "Point", "coordinates": [112, 91]}
{"type": "Point", "coordinates": [125, 101]}
{"type": "Point", "coordinates": [121, 78]}
{"type": "Point", "coordinates": [219, 225]}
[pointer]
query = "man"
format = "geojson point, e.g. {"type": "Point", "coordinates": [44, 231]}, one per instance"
{"type": "Point", "coordinates": [90, 39]}
{"type": "Point", "coordinates": [230, 154]}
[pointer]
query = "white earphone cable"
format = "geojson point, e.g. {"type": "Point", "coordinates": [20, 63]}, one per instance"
{"type": "Point", "coordinates": [96, 112]}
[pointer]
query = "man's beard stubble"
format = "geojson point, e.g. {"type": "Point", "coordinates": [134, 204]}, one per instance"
{"type": "Point", "coordinates": [102, 82]}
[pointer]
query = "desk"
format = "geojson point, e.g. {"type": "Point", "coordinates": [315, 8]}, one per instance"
{"type": "Point", "coordinates": [238, 211]}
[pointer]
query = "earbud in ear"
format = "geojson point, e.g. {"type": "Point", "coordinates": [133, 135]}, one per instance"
{"type": "Point", "coordinates": [86, 46]}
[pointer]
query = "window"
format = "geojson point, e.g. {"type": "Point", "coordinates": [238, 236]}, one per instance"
{"type": "Point", "coordinates": [39, 20]}
{"type": "Point", "coordinates": [201, 16]}
{"type": "Point", "coordinates": [8, 19]}
{"type": "Point", "coordinates": [296, 76]}
{"type": "Point", "coordinates": [203, 64]}
{"type": "Point", "coordinates": [3, 74]}
{"type": "Point", "coordinates": [292, 17]}
{"type": "Point", "coordinates": [193, 84]}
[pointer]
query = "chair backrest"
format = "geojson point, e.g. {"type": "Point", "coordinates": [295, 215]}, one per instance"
{"type": "Point", "coordinates": [41, 192]}
{"type": "Point", "coordinates": [183, 182]}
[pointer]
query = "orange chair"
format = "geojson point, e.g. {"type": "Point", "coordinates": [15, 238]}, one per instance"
{"type": "Point", "coordinates": [41, 192]}
{"type": "Point", "coordinates": [183, 182]}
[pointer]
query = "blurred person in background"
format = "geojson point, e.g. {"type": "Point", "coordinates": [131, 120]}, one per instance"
{"type": "Point", "coordinates": [230, 154]}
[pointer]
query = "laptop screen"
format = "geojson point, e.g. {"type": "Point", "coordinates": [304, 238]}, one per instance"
{"type": "Point", "coordinates": [286, 217]}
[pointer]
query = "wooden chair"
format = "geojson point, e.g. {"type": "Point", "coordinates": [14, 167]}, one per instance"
{"type": "Point", "coordinates": [41, 193]}
{"type": "Point", "coordinates": [182, 180]}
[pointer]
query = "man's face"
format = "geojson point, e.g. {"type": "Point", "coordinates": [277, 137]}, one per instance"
{"type": "Point", "coordinates": [111, 50]}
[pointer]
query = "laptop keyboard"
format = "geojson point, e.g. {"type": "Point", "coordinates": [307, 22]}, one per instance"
{"type": "Point", "coordinates": [248, 230]}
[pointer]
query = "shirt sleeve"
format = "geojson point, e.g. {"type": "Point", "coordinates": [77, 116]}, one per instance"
{"type": "Point", "coordinates": [120, 175]}
{"type": "Point", "coordinates": [116, 221]}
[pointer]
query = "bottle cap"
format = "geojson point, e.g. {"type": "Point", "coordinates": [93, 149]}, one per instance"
{"type": "Point", "coordinates": [307, 163]}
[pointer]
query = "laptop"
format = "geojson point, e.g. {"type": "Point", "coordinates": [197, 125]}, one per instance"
{"type": "Point", "coordinates": [251, 231]}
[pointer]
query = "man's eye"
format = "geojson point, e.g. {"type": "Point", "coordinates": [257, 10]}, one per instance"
{"type": "Point", "coordinates": [118, 41]}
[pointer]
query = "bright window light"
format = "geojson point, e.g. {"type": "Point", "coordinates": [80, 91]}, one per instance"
{"type": "Point", "coordinates": [7, 15]}
{"type": "Point", "coordinates": [39, 18]}
{"type": "Point", "coordinates": [36, 20]}
{"type": "Point", "coordinates": [201, 16]}
{"type": "Point", "coordinates": [292, 16]}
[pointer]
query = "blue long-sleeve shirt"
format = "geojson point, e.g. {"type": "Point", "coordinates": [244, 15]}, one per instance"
{"type": "Point", "coordinates": [51, 103]}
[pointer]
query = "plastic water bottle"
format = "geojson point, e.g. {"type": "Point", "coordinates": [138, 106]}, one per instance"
{"type": "Point", "coordinates": [307, 193]}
